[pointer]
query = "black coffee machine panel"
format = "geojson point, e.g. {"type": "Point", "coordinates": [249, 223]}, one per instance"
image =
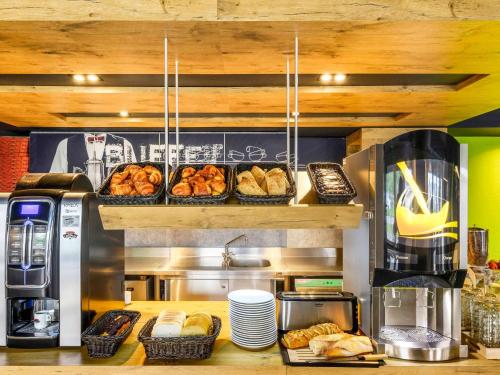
{"type": "Point", "coordinates": [29, 246]}
{"type": "Point", "coordinates": [54, 250]}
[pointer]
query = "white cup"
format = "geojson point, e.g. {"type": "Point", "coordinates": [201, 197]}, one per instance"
{"type": "Point", "coordinates": [128, 297]}
{"type": "Point", "coordinates": [42, 319]}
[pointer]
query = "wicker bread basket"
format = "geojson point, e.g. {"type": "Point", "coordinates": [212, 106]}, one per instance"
{"type": "Point", "coordinates": [176, 348]}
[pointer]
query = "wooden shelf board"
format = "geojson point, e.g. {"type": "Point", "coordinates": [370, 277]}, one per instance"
{"type": "Point", "coordinates": [300, 216]}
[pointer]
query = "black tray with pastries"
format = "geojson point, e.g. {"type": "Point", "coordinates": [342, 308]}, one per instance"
{"type": "Point", "coordinates": [203, 199]}
{"type": "Point", "coordinates": [339, 190]}
{"type": "Point", "coordinates": [104, 193]}
{"type": "Point", "coordinates": [264, 199]}
{"type": "Point", "coordinates": [304, 357]}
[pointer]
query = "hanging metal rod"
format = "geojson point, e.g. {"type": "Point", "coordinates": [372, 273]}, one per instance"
{"type": "Point", "coordinates": [177, 152]}
{"type": "Point", "coordinates": [165, 93]}
{"type": "Point", "coordinates": [288, 111]}
{"type": "Point", "coordinates": [296, 116]}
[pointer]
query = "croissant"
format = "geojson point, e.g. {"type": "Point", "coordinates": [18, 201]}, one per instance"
{"type": "Point", "coordinates": [279, 172]}
{"type": "Point", "coordinates": [140, 176]}
{"type": "Point", "coordinates": [118, 177]}
{"type": "Point", "coordinates": [208, 171]}
{"type": "Point", "coordinates": [154, 174]}
{"type": "Point", "coordinates": [258, 173]}
{"type": "Point", "coordinates": [144, 188]}
{"type": "Point", "coordinates": [182, 188]}
{"type": "Point", "coordinates": [132, 169]}
{"type": "Point", "coordinates": [245, 174]}
{"type": "Point", "coordinates": [197, 179]}
{"type": "Point", "coordinates": [276, 184]}
{"type": "Point", "coordinates": [217, 187]}
{"type": "Point", "coordinates": [121, 189]}
{"type": "Point", "coordinates": [200, 189]}
{"type": "Point", "coordinates": [249, 186]}
{"type": "Point", "coordinates": [188, 172]}
{"type": "Point", "coordinates": [219, 176]}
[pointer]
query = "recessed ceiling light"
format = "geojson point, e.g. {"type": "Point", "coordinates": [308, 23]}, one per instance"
{"type": "Point", "coordinates": [340, 77]}
{"type": "Point", "coordinates": [326, 77]}
{"type": "Point", "coordinates": [79, 78]}
{"type": "Point", "coordinates": [124, 113]}
{"type": "Point", "coordinates": [93, 77]}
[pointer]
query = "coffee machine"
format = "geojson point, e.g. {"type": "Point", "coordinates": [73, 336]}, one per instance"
{"type": "Point", "coordinates": [60, 267]}
{"type": "Point", "coordinates": [407, 260]}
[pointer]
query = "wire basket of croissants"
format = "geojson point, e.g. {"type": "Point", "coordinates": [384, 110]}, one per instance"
{"type": "Point", "coordinates": [264, 183]}
{"type": "Point", "coordinates": [200, 184]}
{"type": "Point", "coordinates": [134, 184]}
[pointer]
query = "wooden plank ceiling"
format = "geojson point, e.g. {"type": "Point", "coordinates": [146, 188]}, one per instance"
{"type": "Point", "coordinates": [250, 37]}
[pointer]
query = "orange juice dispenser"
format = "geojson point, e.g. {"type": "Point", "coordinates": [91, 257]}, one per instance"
{"type": "Point", "coordinates": [412, 244]}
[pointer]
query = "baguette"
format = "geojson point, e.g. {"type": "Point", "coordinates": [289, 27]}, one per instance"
{"type": "Point", "coordinates": [300, 338]}
{"type": "Point", "coordinates": [340, 345]}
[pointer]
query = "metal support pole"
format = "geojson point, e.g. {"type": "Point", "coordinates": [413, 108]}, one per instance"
{"type": "Point", "coordinates": [296, 116]}
{"type": "Point", "coordinates": [165, 94]}
{"type": "Point", "coordinates": [288, 111]}
{"type": "Point", "coordinates": [177, 111]}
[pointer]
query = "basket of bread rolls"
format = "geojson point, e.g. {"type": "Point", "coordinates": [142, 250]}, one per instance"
{"type": "Point", "coordinates": [200, 184]}
{"type": "Point", "coordinates": [264, 183]}
{"type": "Point", "coordinates": [173, 335]}
{"type": "Point", "coordinates": [134, 184]}
{"type": "Point", "coordinates": [104, 336]}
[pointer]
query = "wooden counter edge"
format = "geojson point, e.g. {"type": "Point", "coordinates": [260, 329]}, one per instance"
{"type": "Point", "coordinates": [468, 366]}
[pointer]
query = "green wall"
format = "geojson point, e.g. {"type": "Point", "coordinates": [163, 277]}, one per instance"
{"type": "Point", "coordinates": [484, 187]}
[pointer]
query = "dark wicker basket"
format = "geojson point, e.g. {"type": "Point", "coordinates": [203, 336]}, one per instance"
{"type": "Point", "coordinates": [104, 194]}
{"type": "Point", "coordinates": [343, 193]}
{"type": "Point", "coordinates": [106, 346]}
{"type": "Point", "coordinates": [209, 199]}
{"type": "Point", "coordinates": [264, 199]}
{"type": "Point", "coordinates": [175, 348]}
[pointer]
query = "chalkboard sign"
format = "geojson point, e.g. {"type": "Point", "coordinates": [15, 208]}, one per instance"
{"type": "Point", "coordinates": [96, 154]}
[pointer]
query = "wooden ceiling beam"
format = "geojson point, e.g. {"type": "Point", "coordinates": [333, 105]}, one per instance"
{"type": "Point", "coordinates": [158, 90]}
{"type": "Point", "coordinates": [224, 122]}
{"type": "Point", "coordinates": [247, 10]}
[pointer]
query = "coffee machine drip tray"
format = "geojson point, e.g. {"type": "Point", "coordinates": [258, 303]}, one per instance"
{"type": "Point", "coordinates": [416, 343]}
{"type": "Point", "coordinates": [29, 330]}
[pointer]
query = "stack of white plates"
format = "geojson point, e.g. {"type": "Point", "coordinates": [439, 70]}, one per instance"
{"type": "Point", "coordinates": [252, 314]}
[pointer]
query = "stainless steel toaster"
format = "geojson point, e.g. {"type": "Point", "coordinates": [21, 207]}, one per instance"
{"type": "Point", "coordinates": [297, 310]}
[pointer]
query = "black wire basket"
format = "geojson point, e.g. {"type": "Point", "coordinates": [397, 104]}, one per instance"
{"type": "Point", "coordinates": [182, 347]}
{"type": "Point", "coordinates": [104, 193]}
{"type": "Point", "coordinates": [264, 199]}
{"type": "Point", "coordinates": [106, 346]}
{"type": "Point", "coordinates": [208, 199]}
{"type": "Point", "coordinates": [332, 186]}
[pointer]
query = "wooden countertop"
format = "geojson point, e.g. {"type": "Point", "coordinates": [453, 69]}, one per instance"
{"type": "Point", "coordinates": [226, 359]}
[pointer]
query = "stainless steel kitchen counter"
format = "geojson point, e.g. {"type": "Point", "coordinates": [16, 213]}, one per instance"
{"type": "Point", "coordinates": [211, 267]}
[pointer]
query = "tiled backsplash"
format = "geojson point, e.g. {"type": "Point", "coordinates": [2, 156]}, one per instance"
{"type": "Point", "coordinates": [297, 238]}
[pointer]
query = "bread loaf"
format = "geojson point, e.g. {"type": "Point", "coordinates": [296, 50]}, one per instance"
{"type": "Point", "coordinates": [300, 338]}
{"type": "Point", "coordinates": [340, 345]}
{"type": "Point", "coordinates": [169, 324]}
{"type": "Point", "coordinates": [198, 324]}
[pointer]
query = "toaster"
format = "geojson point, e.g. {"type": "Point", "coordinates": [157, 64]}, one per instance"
{"type": "Point", "coordinates": [298, 310]}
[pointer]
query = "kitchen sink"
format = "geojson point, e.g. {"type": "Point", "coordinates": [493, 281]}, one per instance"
{"type": "Point", "coordinates": [249, 263]}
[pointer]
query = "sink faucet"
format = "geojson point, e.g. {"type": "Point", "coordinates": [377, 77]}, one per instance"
{"type": "Point", "coordinates": [226, 255]}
